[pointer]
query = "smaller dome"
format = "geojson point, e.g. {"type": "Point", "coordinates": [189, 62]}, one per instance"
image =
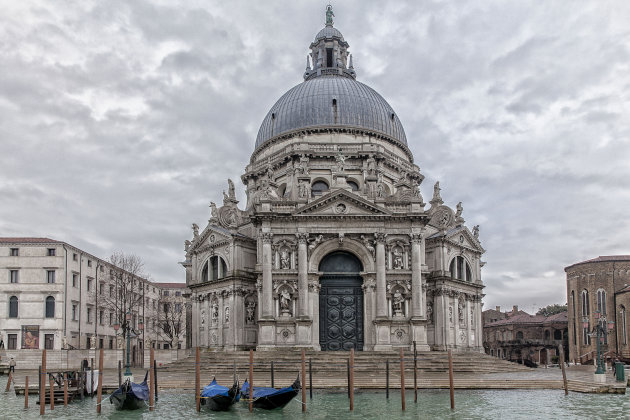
{"type": "Point", "coordinates": [328, 32]}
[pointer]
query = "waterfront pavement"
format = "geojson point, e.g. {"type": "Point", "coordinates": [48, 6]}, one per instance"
{"type": "Point", "coordinates": [580, 379]}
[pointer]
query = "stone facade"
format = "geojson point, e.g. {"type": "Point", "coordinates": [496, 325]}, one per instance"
{"type": "Point", "coordinates": [521, 337]}
{"type": "Point", "coordinates": [599, 285]}
{"type": "Point", "coordinates": [332, 181]}
{"type": "Point", "coordinates": [53, 295]}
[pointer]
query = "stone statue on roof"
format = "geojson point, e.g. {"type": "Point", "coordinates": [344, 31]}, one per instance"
{"type": "Point", "coordinates": [329, 15]}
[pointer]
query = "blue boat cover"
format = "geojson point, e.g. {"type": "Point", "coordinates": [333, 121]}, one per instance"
{"type": "Point", "coordinates": [214, 389]}
{"type": "Point", "coordinates": [264, 392]}
{"type": "Point", "coordinates": [141, 390]}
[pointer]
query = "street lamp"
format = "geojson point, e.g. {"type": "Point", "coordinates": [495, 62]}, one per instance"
{"type": "Point", "coordinates": [599, 331]}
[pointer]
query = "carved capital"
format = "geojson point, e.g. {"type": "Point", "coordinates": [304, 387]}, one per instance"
{"type": "Point", "coordinates": [416, 238]}
{"type": "Point", "coordinates": [380, 237]}
{"type": "Point", "coordinates": [302, 238]}
{"type": "Point", "coordinates": [267, 237]}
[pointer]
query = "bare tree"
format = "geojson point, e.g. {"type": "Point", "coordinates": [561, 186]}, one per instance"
{"type": "Point", "coordinates": [125, 297]}
{"type": "Point", "coordinates": [171, 315]}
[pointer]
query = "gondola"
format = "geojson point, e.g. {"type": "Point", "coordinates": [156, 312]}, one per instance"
{"type": "Point", "coordinates": [130, 395]}
{"type": "Point", "coordinates": [270, 398]}
{"type": "Point", "coordinates": [219, 398]}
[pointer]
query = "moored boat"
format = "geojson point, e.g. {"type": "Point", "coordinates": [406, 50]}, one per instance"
{"type": "Point", "coordinates": [216, 397]}
{"type": "Point", "coordinates": [130, 395]}
{"type": "Point", "coordinates": [270, 398]}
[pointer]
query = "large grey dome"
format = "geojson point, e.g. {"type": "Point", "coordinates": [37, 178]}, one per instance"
{"type": "Point", "coordinates": [331, 101]}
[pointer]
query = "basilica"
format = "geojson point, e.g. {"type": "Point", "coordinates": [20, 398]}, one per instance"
{"type": "Point", "coordinates": [335, 247]}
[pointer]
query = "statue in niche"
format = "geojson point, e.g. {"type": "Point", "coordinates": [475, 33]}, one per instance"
{"type": "Point", "coordinates": [415, 189]}
{"type": "Point", "coordinates": [302, 190]}
{"type": "Point", "coordinates": [430, 311]}
{"type": "Point", "coordinates": [472, 317]}
{"type": "Point", "coordinates": [203, 316]}
{"type": "Point", "coordinates": [398, 260]}
{"type": "Point", "coordinates": [302, 166]}
{"type": "Point", "coordinates": [460, 311]}
{"type": "Point", "coordinates": [450, 314]}
{"type": "Point", "coordinates": [371, 165]}
{"type": "Point", "coordinates": [397, 303]}
{"type": "Point", "coordinates": [341, 161]}
{"type": "Point", "coordinates": [380, 190]}
{"type": "Point", "coordinates": [227, 314]}
{"type": "Point", "coordinates": [475, 231]}
{"type": "Point", "coordinates": [285, 262]}
{"type": "Point", "coordinates": [285, 302]}
{"type": "Point", "coordinates": [195, 229]}
{"type": "Point", "coordinates": [215, 312]}
{"type": "Point", "coordinates": [213, 210]}
{"type": "Point", "coordinates": [251, 312]}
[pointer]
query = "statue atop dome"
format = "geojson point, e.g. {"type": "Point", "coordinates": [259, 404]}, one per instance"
{"type": "Point", "coordinates": [329, 15]}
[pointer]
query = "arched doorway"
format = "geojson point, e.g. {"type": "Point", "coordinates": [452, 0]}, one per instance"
{"type": "Point", "coordinates": [341, 302]}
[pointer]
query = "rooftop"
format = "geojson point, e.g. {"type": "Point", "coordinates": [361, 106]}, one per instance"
{"type": "Point", "coordinates": [28, 240]}
{"type": "Point", "coordinates": [602, 258]}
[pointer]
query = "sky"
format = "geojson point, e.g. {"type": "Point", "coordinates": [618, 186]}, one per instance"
{"type": "Point", "coordinates": [120, 121]}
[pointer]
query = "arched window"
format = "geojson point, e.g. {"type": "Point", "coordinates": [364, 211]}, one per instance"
{"type": "Point", "coordinates": [574, 318]}
{"type": "Point", "coordinates": [353, 185]}
{"type": "Point", "coordinates": [215, 269]}
{"type": "Point", "coordinates": [547, 335]}
{"type": "Point", "coordinates": [585, 306]}
{"type": "Point", "coordinates": [519, 335]}
{"type": "Point", "coordinates": [13, 307]}
{"type": "Point", "coordinates": [601, 301]}
{"type": "Point", "coordinates": [557, 335]}
{"type": "Point", "coordinates": [624, 331]}
{"type": "Point", "coordinates": [460, 269]}
{"type": "Point", "coordinates": [318, 188]}
{"type": "Point", "coordinates": [50, 307]}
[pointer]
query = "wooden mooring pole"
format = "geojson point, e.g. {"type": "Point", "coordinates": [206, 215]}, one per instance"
{"type": "Point", "coordinates": [564, 373]}
{"type": "Point", "coordinates": [155, 376]}
{"type": "Point", "coordinates": [251, 380]}
{"type": "Point", "coordinates": [92, 377]}
{"type": "Point", "coordinates": [197, 379]}
{"type": "Point", "coordinates": [151, 380]}
{"type": "Point", "coordinates": [273, 383]}
{"type": "Point", "coordinates": [119, 374]}
{"type": "Point", "coordinates": [65, 389]}
{"type": "Point", "coordinates": [99, 392]}
{"type": "Point", "coordinates": [310, 378]}
{"type": "Point", "coordinates": [303, 381]}
{"type": "Point", "coordinates": [402, 379]}
{"type": "Point", "coordinates": [26, 392]}
{"type": "Point", "coordinates": [450, 378]}
{"type": "Point", "coordinates": [52, 393]}
{"type": "Point", "coordinates": [387, 378]}
{"type": "Point", "coordinates": [42, 385]}
{"type": "Point", "coordinates": [348, 375]}
{"type": "Point", "coordinates": [415, 373]}
{"type": "Point", "coordinates": [351, 379]}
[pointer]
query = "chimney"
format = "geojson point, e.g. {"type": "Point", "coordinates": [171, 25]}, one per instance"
{"type": "Point", "coordinates": [498, 309]}
{"type": "Point", "coordinates": [515, 309]}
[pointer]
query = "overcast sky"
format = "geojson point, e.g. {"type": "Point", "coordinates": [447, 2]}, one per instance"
{"type": "Point", "coordinates": [120, 121]}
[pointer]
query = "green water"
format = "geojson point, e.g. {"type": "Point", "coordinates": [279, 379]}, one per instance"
{"type": "Point", "coordinates": [434, 404]}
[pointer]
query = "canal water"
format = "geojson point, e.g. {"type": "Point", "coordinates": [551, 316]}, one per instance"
{"type": "Point", "coordinates": [432, 404]}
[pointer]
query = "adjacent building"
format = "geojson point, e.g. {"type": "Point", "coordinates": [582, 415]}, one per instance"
{"type": "Point", "coordinates": [54, 295]}
{"type": "Point", "coordinates": [597, 291]}
{"type": "Point", "coordinates": [520, 337]}
{"type": "Point", "coordinates": [335, 247]}
{"type": "Point", "coordinates": [174, 315]}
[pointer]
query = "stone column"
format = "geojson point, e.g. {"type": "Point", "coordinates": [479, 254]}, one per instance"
{"type": "Point", "coordinates": [195, 320]}
{"type": "Point", "coordinates": [302, 275]}
{"type": "Point", "coordinates": [470, 322]}
{"type": "Point", "coordinates": [478, 324]}
{"type": "Point", "coordinates": [381, 282]}
{"type": "Point", "coordinates": [416, 276]}
{"type": "Point", "coordinates": [455, 298]}
{"type": "Point", "coordinates": [267, 283]}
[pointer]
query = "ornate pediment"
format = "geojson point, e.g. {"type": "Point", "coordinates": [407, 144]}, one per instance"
{"type": "Point", "coordinates": [341, 203]}
{"type": "Point", "coordinates": [210, 238]}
